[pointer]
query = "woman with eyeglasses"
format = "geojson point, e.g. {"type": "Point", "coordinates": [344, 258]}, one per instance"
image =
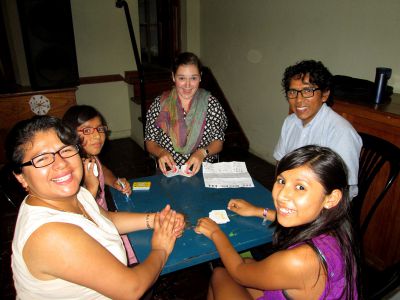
{"type": "Point", "coordinates": [92, 130]}
{"type": "Point", "coordinates": [65, 245]}
{"type": "Point", "coordinates": [186, 125]}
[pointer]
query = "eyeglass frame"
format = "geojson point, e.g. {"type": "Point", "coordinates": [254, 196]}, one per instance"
{"type": "Point", "coordinates": [313, 89]}
{"type": "Point", "coordinates": [92, 129]}
{"type": "Point", "coordinates": [31, 162]}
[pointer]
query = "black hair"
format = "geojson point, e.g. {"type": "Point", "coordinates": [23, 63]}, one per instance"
{"type": "Point", "coordinates": [331, 172]}
{"type": "Point", "coordinates": [319, 75]}
{"type": "Point", "coordinates": [24, 132]}
{"type": "Point", "coordinates": [186, 58]}
{"type": "Point", "coordinates": [76, 115]}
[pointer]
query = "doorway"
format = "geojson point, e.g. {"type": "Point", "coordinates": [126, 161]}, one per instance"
{"type": "Point", "coordinates": [160, 34]}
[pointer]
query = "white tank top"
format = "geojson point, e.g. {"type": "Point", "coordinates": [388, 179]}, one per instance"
{"type": "Point", "coordinates": [31, 218]}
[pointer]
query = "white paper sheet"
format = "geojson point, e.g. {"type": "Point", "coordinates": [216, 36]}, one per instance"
{"type": "Point", "coordinates": [226, 175]}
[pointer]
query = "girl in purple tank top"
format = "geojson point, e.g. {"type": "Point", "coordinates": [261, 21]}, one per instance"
{"type": "Point", "coordinates": [92, 129]}
{"type": "Point", "coordinates": [315, 252]}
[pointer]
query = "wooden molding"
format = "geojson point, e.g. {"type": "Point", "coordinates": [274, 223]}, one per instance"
{"type": "Point", "coordinates": [155, 83]}
{"type": "Point", "coordinates": [132, 77]}
{"type": "Point", "coordinates": [101, 79]}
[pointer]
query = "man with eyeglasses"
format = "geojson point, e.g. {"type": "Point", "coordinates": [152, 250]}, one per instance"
{"type": "Point", "coordinates": [307, 86]}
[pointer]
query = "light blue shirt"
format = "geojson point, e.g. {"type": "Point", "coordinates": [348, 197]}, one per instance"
{"type": "Point", "coordinates": [327, 129]}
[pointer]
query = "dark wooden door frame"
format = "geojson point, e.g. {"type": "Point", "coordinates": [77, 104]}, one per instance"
{"type": "Point", "coordinates": [7, 76]}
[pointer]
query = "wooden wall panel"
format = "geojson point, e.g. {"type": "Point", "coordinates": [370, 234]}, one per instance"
{"type": "Point", "coordinates": [15, 107]}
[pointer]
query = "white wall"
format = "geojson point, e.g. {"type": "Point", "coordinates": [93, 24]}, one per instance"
{"type": "Point", "coordinates": [112, 100]}
{"type": "Point", "coordinates": [103, 47]}
{"type": "Point", "coordinates": [248, 44]}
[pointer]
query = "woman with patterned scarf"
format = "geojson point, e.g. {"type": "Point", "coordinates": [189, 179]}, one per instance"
{"type": "Point", "coordinates": [186, 125]}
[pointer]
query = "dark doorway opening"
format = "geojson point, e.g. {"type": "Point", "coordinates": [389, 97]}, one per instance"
{"type": "Point", "coordinates": [160, 34]}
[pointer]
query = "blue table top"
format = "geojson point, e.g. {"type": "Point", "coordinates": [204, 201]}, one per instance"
{"type": "Point", "coordinates": [189, 196]}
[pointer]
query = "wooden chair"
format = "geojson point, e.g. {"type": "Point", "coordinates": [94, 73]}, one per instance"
{"type": "Point", "coordinates": [375, 153]}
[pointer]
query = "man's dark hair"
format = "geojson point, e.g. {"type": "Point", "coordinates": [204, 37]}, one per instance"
{"type": "Point", "coordinates": [319, 75]}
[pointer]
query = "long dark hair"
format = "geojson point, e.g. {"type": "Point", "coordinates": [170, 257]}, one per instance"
{"type": "Point", "coordinates": [331, 172]}
{"type": "Point", "coordinates": [24, 131]}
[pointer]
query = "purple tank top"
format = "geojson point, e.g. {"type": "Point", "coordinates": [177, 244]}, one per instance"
{"type": "Point", "coordinates": [329, 249]}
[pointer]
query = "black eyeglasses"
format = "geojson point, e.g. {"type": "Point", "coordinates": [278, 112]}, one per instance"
{"type": "Point", "coordinates": [306, 92]}
{"type": "Point", "coordinates": [90, 130]}
{"type": "Point", "coordinates": [45, 159]}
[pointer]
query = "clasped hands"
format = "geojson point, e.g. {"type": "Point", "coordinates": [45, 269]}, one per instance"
{"type": "Point", "coordinates": [168, 226]}
{"type": "Point", "coordinates": [178, 219]}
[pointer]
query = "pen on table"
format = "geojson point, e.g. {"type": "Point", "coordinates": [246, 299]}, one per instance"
{"type": "Point", "coordinates": [123, 186]}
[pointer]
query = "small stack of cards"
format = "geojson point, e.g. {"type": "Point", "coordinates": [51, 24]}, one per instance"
{"type": "Point", "coordinates": [183, 171]}
{"type": "Point", "coordinates": [219, 216]}
{"type": "Point", "coordinates": [141, 186]}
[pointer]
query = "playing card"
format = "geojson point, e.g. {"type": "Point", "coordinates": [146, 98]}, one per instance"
{"type": "Point", "coordinates": [219, 216]}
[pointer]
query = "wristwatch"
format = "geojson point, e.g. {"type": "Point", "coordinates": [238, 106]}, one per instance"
{"type": "Point", "coordinates": [206, 152]}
